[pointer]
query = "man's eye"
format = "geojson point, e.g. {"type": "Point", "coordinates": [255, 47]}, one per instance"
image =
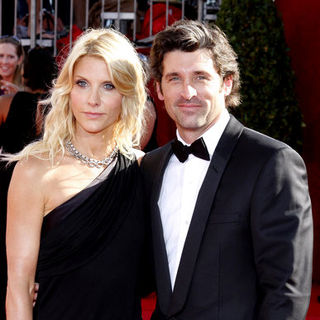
{"type": "Point", "coordinates": [81, 83]}
{"type": "Point", "coordinates": [108, 86]}
{"type": "Point", "coordinates": [201, 77]}
{"type": "Point", "coordinates": [174, 78]}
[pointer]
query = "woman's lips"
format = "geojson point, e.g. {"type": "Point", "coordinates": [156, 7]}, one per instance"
{"type": "Point", "coordinates": [93, 115]}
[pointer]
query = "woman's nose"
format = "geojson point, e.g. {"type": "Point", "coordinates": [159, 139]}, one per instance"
{"type": "Point", "coordinates": [94, 97]}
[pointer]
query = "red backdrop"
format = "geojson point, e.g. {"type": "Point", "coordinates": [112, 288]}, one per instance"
{"type": "Point", "coordinates": [302, 31]}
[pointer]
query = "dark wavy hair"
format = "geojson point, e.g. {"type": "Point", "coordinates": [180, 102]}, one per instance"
{"type": "Point", "coordinates": [189, 36]}
{"type": "Point", "coordinates": [40, 69]}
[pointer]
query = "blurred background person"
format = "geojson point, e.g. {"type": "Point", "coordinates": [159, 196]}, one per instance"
{"type": "Point", "coordinates": [18, 111]}
{"type": "Point", "coordinates": [11, 64]}
{"type": "Point", "coordinates": [148, 140]}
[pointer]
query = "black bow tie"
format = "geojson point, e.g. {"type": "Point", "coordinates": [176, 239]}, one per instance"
{"type": "Point", "coordinates": [197, 148]}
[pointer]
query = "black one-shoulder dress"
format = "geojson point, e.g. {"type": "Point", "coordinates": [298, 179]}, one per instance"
{"type": "Point", "coordinates": [92, 250]}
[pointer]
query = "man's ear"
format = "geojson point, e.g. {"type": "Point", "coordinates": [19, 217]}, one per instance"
{"type": "Point", "coordinates": [227, 85]}
{"type": "Point", "coordinates": [159, 91]}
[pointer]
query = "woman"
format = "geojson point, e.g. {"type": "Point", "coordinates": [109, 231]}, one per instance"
{"type": "Point", "coordinates": [19, 110]}
{"type": "Point", "coordinates": [11, 60]}
{"type": "Point", "coordinates": [79, 227]}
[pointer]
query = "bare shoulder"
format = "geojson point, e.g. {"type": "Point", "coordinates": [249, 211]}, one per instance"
{"type": "Point", "coordinates": [29, 172]}
{"type": "Point", "coordinates": [31, 169]}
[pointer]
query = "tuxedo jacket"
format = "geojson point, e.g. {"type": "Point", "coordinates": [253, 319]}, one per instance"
{"type": "Point", "coordinates": [248, 251]}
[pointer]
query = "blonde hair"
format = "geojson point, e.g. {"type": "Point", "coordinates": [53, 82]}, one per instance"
{"type": "Point", "coordinates": [127, 76]}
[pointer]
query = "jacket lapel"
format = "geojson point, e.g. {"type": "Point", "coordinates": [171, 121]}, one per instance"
{"type": "Point", "coordinates": [162, 273]}
{"type": "Point", "coordinates": [202, 210]}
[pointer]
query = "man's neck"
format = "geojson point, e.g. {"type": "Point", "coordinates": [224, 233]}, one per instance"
{"type": "Point", "coordinates": [191, 135]}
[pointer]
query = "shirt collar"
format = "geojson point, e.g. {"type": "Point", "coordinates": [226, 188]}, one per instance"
{"type": "Point", "coordinates": [213, 134]}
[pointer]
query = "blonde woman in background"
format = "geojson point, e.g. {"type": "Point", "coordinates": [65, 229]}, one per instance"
{"type": "Point", "coordinates": [76, 218]}
{"type": "Point", "coordinates": [11, 62]}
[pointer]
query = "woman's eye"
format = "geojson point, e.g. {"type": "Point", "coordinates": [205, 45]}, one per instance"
{"type": "Point", "coordinates": [108, 86]}
{"type": "Point", "coordinates": [81, 83]}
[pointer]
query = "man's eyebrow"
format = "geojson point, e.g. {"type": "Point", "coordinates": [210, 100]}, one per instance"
{"type": "Point", "coordinates": [203, 72]}
{"type": "Point", "coordinates": [196, 72]}
{"type": "Point", "coordinates": [171, 74]}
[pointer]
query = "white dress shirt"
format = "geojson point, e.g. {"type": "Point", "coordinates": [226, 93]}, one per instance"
{"type": "Point", "coordinates": [179, 192]}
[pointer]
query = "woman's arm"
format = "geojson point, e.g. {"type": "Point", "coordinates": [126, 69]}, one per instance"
{"type": "Point", "coordinates": [25, 215]}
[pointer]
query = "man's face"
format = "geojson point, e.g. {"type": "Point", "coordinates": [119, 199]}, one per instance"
{"type": "Point", "coordinates": [193, 92]}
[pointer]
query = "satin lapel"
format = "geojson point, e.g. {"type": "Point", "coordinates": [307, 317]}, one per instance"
{"type": "Point", "coordinates": [202, 209]}
{"type": "Point", "coordinates": [162, 274]}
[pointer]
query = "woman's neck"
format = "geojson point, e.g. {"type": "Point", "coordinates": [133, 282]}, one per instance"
{"type": "Point", "coordinates": [94, 146]}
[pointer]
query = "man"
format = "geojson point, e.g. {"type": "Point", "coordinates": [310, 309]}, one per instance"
{"type": "Point", "coordinates": [232, 230]}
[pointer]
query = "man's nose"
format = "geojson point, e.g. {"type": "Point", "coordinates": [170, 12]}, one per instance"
{"type": "Point", "coordinates": [188, 91]}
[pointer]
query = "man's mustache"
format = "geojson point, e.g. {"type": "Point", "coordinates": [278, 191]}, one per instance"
{"type": "Point", "coordinates": [193, 100]}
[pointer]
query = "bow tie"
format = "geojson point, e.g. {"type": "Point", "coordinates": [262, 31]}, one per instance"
{"type": "Point", "coordinates": [197, 148]}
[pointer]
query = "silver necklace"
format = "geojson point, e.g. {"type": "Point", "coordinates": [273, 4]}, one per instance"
{"type": "Point", "coordinates": [89, 161]}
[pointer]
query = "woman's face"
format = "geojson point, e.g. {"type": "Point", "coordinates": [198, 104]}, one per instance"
{"type": "Point", "coordinates": [9, 61]}
{"type": "Point", "coordinates": [95, 102]}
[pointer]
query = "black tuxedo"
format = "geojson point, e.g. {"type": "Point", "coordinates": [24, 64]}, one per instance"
{"type": "Point", "coordinates": [248, 251]}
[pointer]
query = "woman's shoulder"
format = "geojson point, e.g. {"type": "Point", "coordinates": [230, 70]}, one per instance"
{"type": "Point", "coordinates": [27, 183]}
{"type": "Point", "coordinates": [31, 169]}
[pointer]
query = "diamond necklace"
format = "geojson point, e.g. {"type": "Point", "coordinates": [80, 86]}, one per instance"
{"type": "Point", "coordinates": [89, 161]}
